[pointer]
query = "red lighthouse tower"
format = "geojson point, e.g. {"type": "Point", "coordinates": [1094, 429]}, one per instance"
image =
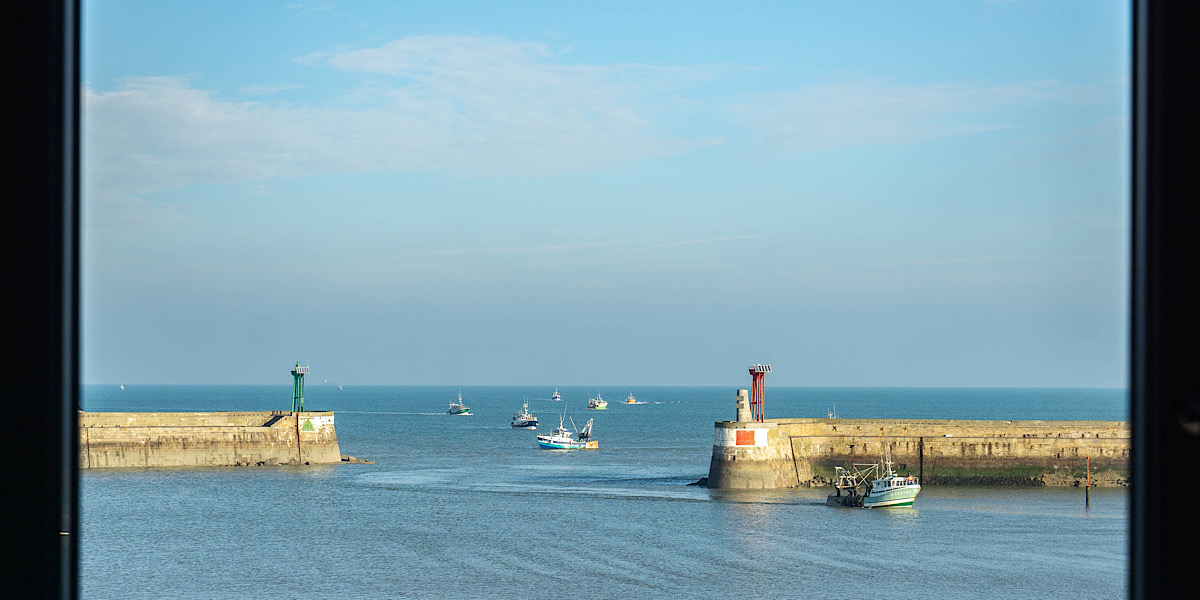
{"type": "Point", "coordinates": [759, 374]}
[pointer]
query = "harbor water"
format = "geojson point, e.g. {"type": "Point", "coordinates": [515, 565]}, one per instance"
{"type": "Point", "coordinates": [467, 507]}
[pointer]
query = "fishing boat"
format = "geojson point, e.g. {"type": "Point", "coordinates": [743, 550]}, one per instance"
{"type": "Point", "coordinates": [458, 408]}
{"type": "Point", "coordinates": [597, 403]}
{"type": "Point", "coordinates": [892, 489]}
{"type": "Point", "coordinates": [880, 486]}
{"type": "Point", "coordinates": [556, 396]}
{"type": "Point", "coordinates": [562, 438]}
{"type": "Point", "coordinates": [524, 419]}
{"type": "Point", "coordinates": [631, 399]}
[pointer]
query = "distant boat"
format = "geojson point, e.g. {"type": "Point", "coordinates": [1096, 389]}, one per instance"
{"type": "Point", "coordinates": [524, 419]}
{"type": "Point", "coordinates": [122, 386]}
{"type": "Point", "coordinates": [458, 408]}
{"type": "Point", "coordinates": [597, 403]}
{"type": "Point", "coordinates": [561, 438]}
{"type": "Point", "coordinates": [632, 400]}
{"type": "Point", "coordinates": [339, 386]}
{"type": "Point", "coordinates": [556, 396]}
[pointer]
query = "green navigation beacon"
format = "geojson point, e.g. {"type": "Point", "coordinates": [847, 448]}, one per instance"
{"type": "Point", "coordinates": [298, 374]}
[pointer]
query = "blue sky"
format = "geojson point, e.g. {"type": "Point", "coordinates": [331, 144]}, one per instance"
{"type": "Point", "coordinates": [862, 194]}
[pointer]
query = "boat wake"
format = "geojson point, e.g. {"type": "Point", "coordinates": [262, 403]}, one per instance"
{"type": "Point", "coordinates": [385, 412]}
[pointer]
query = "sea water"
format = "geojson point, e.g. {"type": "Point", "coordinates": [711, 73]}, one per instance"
{"type": "Point", "coordinates": [467, 507]}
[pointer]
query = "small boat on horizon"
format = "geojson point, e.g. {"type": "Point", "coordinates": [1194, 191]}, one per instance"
{"type": "Point", "coordinates": [597, 403]}
{"type": "Point", "coordinates": [524, 419]}
{"type": "Point", "coordinates": [458, 408]}
{"type": "Point", "coordinates": [556, 396]}
{"type": "Point", "coordinates": [632, 400]}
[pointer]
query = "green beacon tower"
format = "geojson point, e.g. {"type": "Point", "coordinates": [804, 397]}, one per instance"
{"type": "Point", "coordinates": [298, 374]}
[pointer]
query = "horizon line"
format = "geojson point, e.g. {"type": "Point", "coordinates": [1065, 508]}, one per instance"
{"type": "Point", "coordinates": [334, 384]}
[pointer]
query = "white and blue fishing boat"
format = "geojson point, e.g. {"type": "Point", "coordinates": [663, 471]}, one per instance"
{"type": "Point", "coordinates": [524, 419]}
{"type": "Point", "coordinates": [556, 396]}
{"type": "Point", "coordinates": [562, 438]}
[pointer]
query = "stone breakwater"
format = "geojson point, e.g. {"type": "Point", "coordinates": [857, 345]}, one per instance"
{"type": "Point", "coordinates": [207, 439]}
{"type": "Point", "coordinates": [784, 453]}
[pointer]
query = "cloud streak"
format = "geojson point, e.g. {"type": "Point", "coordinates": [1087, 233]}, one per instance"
{"type": "Point", "coordinates": [713, 240]}
{"type": "Point", "coordinates": [538, 249]}
{"type": "Point", "coordinates": [833, 116]}
{"type": "Point", "coordinates": [570, 247]}
{"type": "Point", "coordinates": [476, 106]}
{"type": "Point", "coordinates": [486, 106]}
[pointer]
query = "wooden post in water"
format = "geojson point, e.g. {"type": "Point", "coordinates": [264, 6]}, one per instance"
{"type": "Point", "coordinates": [1087, 486]}
{"type": "Point", "coordinates": [921, 459]}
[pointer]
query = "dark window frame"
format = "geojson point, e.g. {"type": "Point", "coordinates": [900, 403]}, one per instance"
{"type": "Point", "coordinates": [44, 251]}
{"type": "Point", "coordinates": [1164, 394]}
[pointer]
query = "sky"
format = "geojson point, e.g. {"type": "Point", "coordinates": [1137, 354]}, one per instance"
{"type": "Point", "coordinates": [530, 193]}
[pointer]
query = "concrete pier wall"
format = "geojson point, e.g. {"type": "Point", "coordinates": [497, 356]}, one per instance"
{"type": "Point", "coordinates": [782, 453]}
{"type": "Point", "coordinates": [206, 439]}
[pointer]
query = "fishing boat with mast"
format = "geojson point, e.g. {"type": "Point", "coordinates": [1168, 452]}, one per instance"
{"type": "Point", "coordinates": [881, 486]}
{"type": "Point", "coordinates": [557, 397]}
{"type": "Point", "coordinates": [524, 419]}
{"type": "Point", "coordinates": [458, 408]}
{"type": "Point", "coordinates": [597, 403]}
{"type": "Point", "coordinates": [631, 400]}
{"type": "Point", "coordinates": [562, 438]}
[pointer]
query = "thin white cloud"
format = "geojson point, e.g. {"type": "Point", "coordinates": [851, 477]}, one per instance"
{"type": "Point", "coordinates": [1104, 144]}
{"type": "Point", "coordinates": [477, 106]}
{"type": "Point", "coordinates": [490, 106]}
{"type": "Point", "coordinates": [824, 117]}
{"type": "Point", "coordinates": [266, 89]}
{"type": "Point", "coordinates": [726, 238]}
{"type": "Point", "coordinates": [927, 262]}
{"type": "Point", "coordinates": [537, 249]}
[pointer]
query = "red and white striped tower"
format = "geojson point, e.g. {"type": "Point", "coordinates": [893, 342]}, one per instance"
{"type": "Point", "coordinates": [757, 389]}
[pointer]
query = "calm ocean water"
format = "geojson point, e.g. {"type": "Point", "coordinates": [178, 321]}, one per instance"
{"type": "Point", "coordinates": [467, 507]}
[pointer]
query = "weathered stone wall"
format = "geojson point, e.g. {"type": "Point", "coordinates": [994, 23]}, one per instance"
{"type": "Point", "coordinates": [750, 455]}
{"type": "Point", "coordinates": [802, 452]}
{"type": "Point", "coordinates": [211, 439]}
